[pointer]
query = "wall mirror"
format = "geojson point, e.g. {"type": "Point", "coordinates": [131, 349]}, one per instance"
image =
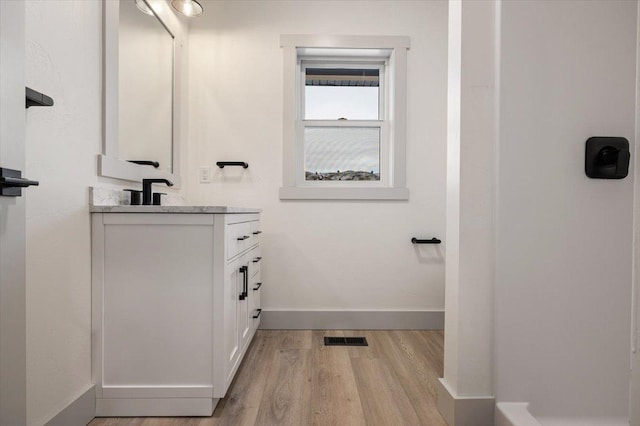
{"type": "Point", "coordinates": [143, 42]}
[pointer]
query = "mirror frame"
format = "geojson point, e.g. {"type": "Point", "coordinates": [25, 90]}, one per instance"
{"type": "Point", "coordinates": [109, 162]}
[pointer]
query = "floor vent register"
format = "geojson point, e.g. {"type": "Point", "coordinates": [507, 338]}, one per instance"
{"type": "Point", "coordinates": [345, 341]}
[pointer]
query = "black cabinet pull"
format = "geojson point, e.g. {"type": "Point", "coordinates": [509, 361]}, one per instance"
{"type": "Point", "coordinates": [244, 237]}
{"type": "Point", "coordinates": [246, 281]}
{"type": "Point", "coordinates": [257, 288]}
{"type": "Point", "coordinates": [258, 314]}
{"type": "Point", "coordinates": [414, 240]}
{"type": "Point", "coordinates": [243, 270]}
{"type": "Point", "coordinates": [257, 232]}
{"type": "Point", "coordinates": [257, 259]}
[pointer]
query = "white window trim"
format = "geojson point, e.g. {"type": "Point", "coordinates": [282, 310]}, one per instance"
{"type": "Point", "coordinates": [392, 47]}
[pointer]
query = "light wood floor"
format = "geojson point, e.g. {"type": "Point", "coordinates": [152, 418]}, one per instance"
{"type": "Point", "coordinates": [291, 378]}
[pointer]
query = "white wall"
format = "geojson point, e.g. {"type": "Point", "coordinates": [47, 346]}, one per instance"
{"type": "Point", "coordinates": [564, 242]}
{"type": "Point", "coordinates": [320, 255]}
{"type": "Point", "coordinates": [63, 60]}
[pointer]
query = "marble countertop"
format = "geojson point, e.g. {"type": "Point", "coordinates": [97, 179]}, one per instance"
{"type": "Point", "coordinates": [172, 209]}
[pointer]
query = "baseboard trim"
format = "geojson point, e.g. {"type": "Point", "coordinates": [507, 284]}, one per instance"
{"type": "Point", "coordinates": [351, 320]}
{"type": "Point", "coordinates": [155, 407]}
{"type": "Point", "coordinates": [124, 392]}
{"type": "Point", "coordinates": [464, 410]}
{"type": "Point", "coordinates": [79, 412]}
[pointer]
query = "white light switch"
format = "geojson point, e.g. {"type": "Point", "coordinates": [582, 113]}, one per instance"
{"type": "Point", "coordinates": [205, 174]}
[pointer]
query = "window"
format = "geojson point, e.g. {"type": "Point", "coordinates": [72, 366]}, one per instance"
{"type": "Point", "coordinates": [341, 120]}
{"type": "Point", "coordinates": [344, 117]}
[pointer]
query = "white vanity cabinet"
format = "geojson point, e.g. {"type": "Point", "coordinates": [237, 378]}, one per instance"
{"type": "Point", "coordinates": [176, 302]}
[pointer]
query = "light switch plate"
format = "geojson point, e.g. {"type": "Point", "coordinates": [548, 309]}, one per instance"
{"type": "Point", "coordinates": [205, 174]}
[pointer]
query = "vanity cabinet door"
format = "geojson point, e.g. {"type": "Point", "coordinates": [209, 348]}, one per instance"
{"type": "Point", "coordinates": [243, 304]}
{"type": "Point", "coordinates": [232, 292]}
{"type": "Point", "coordinates": [237, 322]}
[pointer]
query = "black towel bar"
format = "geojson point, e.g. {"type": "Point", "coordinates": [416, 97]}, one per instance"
{"type": "Point", "coordinates": [145, 163]}
{"type": "Point", "coordinates": [221, 164]}
{"type": "Point", "coordinates": [414, 240]}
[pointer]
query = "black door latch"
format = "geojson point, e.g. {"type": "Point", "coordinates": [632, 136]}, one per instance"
{"type": "Point", "coordinates": [12, 182]}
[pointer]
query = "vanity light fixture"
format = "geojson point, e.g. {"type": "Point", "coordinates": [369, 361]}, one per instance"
{"type": "Point", "coordinates": [144, 7]}
{"type": "Point", "coordinates": [187, 7]}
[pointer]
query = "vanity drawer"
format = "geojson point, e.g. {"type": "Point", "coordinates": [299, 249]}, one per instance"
{"type": "Point", "coordinates": [255, 304]}
{"type": "Point", "coordinates": [255, 261]}
{"type": "Point", "coordinates": [238, 238]}
{"type": "Point", "coordinates": [255, 232]}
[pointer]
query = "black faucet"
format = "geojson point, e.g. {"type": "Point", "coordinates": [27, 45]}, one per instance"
{"type": "Point", "coordinates": [146, 189]}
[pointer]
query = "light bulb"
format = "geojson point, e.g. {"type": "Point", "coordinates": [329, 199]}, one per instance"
{"type": "Point", "coordinates": [187, 7]}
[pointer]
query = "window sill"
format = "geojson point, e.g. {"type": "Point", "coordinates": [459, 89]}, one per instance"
{"type": "Point", "coordinates": [310, 193]}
